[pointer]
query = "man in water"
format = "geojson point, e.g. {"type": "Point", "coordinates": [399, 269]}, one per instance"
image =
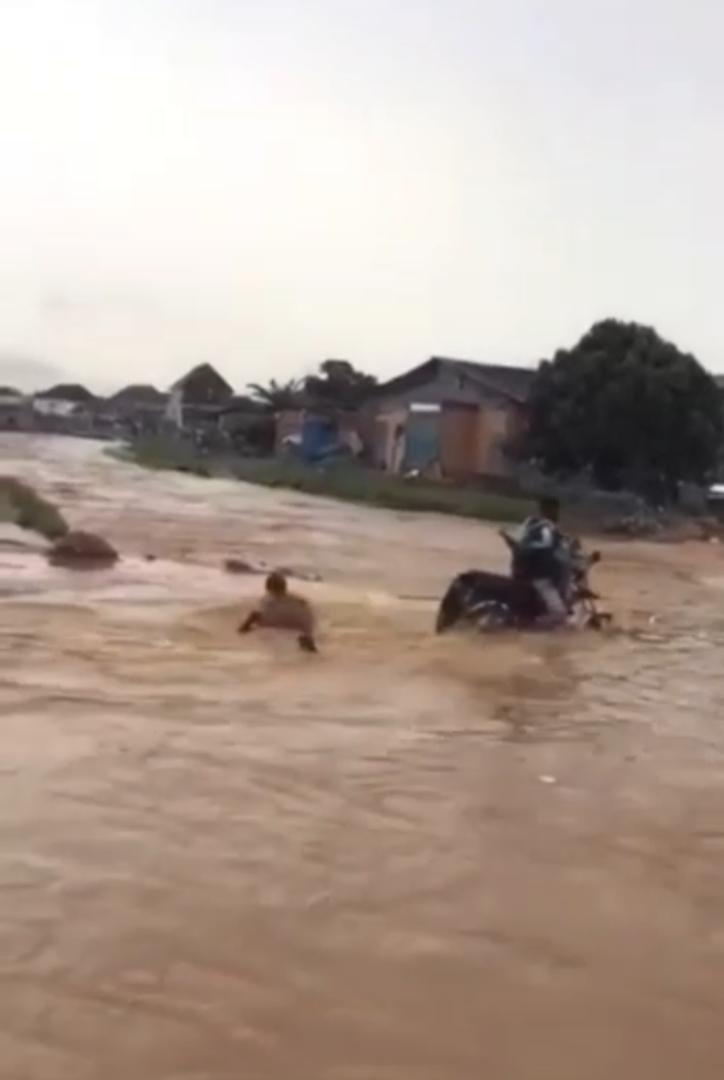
{"type": "Point", "coordinates": [541, 560]}
{"type": "Point", "coordinates": [282, 610]}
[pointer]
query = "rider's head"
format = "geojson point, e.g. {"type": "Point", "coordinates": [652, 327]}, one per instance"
{"type": "Point", "coordinates": [549, 507]}
{"type": "Point", "coordinates": [276, 584]}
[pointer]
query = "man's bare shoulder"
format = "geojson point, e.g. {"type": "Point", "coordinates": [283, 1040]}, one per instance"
{"type": "Point", "coordinates": [290, 611]}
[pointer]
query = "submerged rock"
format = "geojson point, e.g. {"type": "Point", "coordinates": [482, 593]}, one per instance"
{"type": "Point", "coordinates": [82, 550]}
{"type": "Point", "coordinates": [240, 566]}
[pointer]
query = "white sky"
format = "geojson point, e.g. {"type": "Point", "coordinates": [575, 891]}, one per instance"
{"type": "Point", "coordinates": [266, 183]}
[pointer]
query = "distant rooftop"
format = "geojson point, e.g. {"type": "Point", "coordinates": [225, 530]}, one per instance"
{"type": "Point", "coordinates": [504, 379]}
{"type": "Point", "coordinates": [67, 392]}
{"type": "Point", "coordinates": [204, 386]}
{"type": "Point", "coordinates": [138, 394]}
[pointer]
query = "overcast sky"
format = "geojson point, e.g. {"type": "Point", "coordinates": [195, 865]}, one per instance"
{"type": "Point", "coordinates": [266, 183]}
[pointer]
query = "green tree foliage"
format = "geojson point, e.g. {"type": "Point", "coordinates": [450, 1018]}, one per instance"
{"type": "Point", "coordinates": [277, 397]}
{"type": "Point", "coordinates": [630, 408]}
{"type": "Point", "coordinates": [339, 386]}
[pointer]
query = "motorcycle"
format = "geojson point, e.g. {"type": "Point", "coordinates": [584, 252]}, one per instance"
{"type": "Point", "coordinates": [499, 601]}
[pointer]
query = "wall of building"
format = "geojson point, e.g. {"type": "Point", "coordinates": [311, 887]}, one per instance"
{"type": "Point", "coordinates": [387, 448]}
{"type": "Point", "coordinates": [54, 407]}
{"type": "Point", "coordinates": [288, 426]}
{"type": "Point", "coordinates": [473, 439]}
{"type": "Point", "coordinates": [458, 439]}
{"type": "Point", "coordinates": [16, 416]}
{"type": "Point", "coordinates": [500, 428]}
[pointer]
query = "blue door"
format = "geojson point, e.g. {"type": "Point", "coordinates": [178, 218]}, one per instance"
{"type": "Point", "coordinates": [319, 435]}
{"type": "Point", "coordinates": [422, 444]}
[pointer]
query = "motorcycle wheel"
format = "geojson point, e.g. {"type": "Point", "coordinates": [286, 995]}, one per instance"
{"type": "Point", "coordinates": [491, 616]}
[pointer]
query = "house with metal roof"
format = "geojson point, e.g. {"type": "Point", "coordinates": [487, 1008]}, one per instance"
{"type": "Point", "coordinates": [456, 418]}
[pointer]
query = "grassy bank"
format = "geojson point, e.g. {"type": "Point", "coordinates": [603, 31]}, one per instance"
{"type": "Point", "coordinates": [21, 505]}
{"type": "Point", "coordinates": [339, 481]}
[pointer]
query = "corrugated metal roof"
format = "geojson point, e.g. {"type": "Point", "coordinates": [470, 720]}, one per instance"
{"type": "Point", "coordinates": [512, 382]}
{"type": "Point", "coordinates": [509, 382]}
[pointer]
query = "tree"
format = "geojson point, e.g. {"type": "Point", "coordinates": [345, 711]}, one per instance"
{"type": "Point", "coordinates": [339, 386]}
{"type": "Point", "coordinates": [628, 407]}
{"type": "Point", "coordinates": [277, 397]}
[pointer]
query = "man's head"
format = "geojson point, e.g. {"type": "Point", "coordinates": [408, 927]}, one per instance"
{"type": "Point", "coordinates": [276, 584]}
{"type": "Point", "coordinates": [550, 508]}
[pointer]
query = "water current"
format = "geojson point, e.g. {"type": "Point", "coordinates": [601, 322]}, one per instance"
{"type": "Point", "coordinates": [407, 858]}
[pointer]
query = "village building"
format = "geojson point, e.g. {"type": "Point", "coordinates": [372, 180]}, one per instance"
{"type": "Point", "coordinates": [62, 400]}
{"type": "Point", "coordinates": [196, 399]}
{"type": "Point", "coordinates": [16, 410]}
{"type": "Point", "coordinates": [138, 408]}
{"type": "Point", "coordinates": [67, 408]}
{"type": "Point", "coordinates": [453, 417]}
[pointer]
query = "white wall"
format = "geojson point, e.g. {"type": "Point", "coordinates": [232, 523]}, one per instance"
{"type": "Point", "coordinates": [53, 406]}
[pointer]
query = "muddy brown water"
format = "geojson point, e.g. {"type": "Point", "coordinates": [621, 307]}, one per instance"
{"type": "Point", "coordinates": [409, 858]}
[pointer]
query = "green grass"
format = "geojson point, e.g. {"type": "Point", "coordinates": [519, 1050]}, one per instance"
{"type": "Point", "coordinates": [21, 505]}
{"type": "Point", "coordinates": [158, 453]}
{"type": "Point", "coordinates": [342, 481]}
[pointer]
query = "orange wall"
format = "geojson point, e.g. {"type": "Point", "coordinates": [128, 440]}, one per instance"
{"type": "Point", "coordinates": [471, 439]}
{"type": "Point", "coordinates": [458, 438]}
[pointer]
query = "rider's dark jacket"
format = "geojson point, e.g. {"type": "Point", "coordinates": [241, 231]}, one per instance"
{"type": "Point", "coordinates": [538, 553]}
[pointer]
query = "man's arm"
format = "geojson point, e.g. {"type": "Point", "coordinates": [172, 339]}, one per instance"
{"type": "Point", "coordinates": [252, 620]}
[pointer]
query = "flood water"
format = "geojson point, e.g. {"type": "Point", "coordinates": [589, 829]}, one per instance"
{"type": "Point", "coordinates": [407, 858]}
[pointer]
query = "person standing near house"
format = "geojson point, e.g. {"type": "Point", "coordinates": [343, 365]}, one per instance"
{"type": "Point", "coordinates": [541, 559]}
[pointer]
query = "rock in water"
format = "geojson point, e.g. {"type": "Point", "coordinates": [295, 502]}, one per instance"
{"type": "Point", "coordinates": [81, 550]}
{"type": "Point", "coordinates": [240, 566]}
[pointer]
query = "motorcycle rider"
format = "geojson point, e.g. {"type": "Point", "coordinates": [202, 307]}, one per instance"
{"type": "Point", "coordinates": [541, 559]}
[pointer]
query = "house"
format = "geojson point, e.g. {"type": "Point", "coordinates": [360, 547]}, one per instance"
{"type": "Point", "coordinates": [237, 411]}
{"type": "Point", "coordinates": [196, 399]}
{"type": "Point", "coordinates": [203, 386]}
{"type": "Point", "coordinates": [67, 408]}
{"type": "Point", "coordinates": [455, 416]}
{"type": "Point", "coordinates": [63, 400]}
{"type": "Point", "coordinates": [16, 412]}
{"type": "Point", "coordinates": [140, 407]}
